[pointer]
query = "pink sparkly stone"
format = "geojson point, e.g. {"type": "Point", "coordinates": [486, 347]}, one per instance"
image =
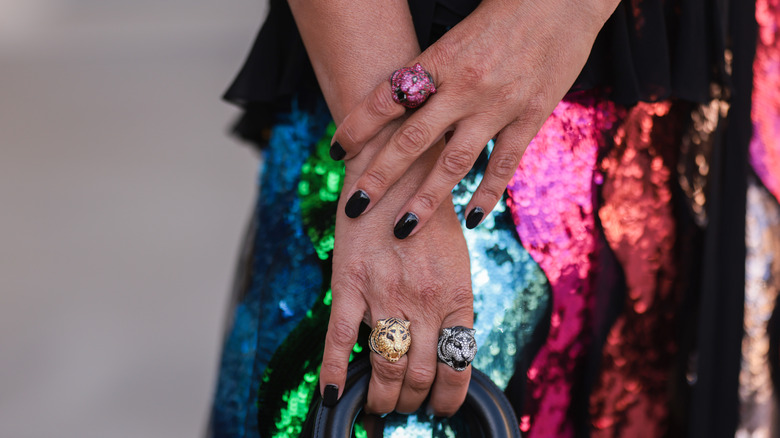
{"type": "Point", "coordinates": [411, 86]}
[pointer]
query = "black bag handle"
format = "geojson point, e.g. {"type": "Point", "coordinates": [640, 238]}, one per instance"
{"type": "Point", "coordinates": [485, 403]}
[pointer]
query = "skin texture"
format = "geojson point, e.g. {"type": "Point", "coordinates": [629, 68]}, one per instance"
{"type": "Point", "coordinates": [425, 280]}
{"type": "Point", "coordinates": [502, 69]}
{"type": "Point", "coordinates": [353, 46]}
{"type": "Point", "coordinates": [500, 72]}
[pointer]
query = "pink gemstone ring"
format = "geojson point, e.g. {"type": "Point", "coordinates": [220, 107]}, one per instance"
{"type": "Point", "coordinates": [411, 86]}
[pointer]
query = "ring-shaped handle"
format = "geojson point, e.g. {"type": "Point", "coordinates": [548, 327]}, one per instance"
{"type": "Point", "coordinates": [485, 405]}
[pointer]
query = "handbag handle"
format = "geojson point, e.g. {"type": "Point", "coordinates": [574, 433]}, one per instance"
{"type": "Point", "coordinates": [485, 402]}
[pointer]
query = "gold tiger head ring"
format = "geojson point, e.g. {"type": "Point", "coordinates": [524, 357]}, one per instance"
{"type": "Point", "coordinates": [390, 338]}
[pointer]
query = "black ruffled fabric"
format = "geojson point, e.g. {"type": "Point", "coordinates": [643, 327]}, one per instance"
{"type": "Point", "coordinates": [648, 50]}
{"type": "Point", "coordinates": [653, 50]}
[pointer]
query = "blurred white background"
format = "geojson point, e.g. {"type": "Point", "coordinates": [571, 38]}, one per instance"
{"type": "Point", "coordinates": [122, 202]}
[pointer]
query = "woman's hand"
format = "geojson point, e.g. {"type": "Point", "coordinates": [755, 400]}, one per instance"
{"type": "Point", "coordinates": [352, 47]}
{"type": "Point", "coordinates": [501, 71]}
{"type": "Point", "coordinates": [425, 280]}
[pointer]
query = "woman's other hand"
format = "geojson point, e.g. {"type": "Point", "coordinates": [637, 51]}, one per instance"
{"type": "Point", "coordinates": [500, 72]}
{"type": "Point", "coordinates": [352, 46]}
{"type": "Point", "coordinates": [425, 280]}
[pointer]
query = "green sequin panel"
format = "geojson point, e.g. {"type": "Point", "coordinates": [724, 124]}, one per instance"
{"type": "Point", "coordinates": [319, 189]}
{"type": "Point", "coordinates": [511, 297]}
{"type": "Point", "coordinates": [290, 380]}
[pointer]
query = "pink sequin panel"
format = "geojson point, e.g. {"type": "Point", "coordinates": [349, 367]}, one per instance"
{"type": "Point", "coordinates": [765, 145]}
{"type": "Point", "coordinates": [630, 398]}
{"type": "Point", "coordinates": [551, 199]}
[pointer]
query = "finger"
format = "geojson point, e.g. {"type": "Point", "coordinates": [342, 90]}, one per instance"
{"type": "Point", "coordinates": [449, 390]}
{"type": "Point", "coordinates": [510, 146]}
{"type": "Point", "coordinates": [345, 319]}
{"type": "Point", "coordinates": [365, 121]}
{"type": "Point", "coordinates": [453, 164]}
{"type": "Point", "coordinates": [413, 138]}
{"type": "Point", "coordinates": [421, 369]}
{"type": "Point", "coordinates": [450, 387]}
{"type": "Point", "coordinates": [385, 384]}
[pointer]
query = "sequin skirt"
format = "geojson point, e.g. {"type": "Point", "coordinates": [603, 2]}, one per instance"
{"type": "Point", "coordinates": [581, 275]}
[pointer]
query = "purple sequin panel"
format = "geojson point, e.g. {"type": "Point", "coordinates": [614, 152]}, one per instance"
{"type": "Point", "coordinates": [765, 145]}
{"type": "Point", "coordinates": [552, 204]}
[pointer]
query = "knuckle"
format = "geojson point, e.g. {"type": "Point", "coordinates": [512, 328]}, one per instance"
{"type": "Point", "coordinates": [443, 52]}
{"type": "Point", "coordinates": [508, 93]}
{"type": "Point", "coordinates": [350, 136]}
{"type": "Point", "coordinates": [342, 334]}
{"type": "Point", "coordinates": [382, 106]}
{"type": "Point", "coordinates": [375, 177]}
{"type": "Point", "coordinates": [420, 379]}
{"type": "Point", "coordinates": [426, 201]}
{"type": "Point", "coordinates": [393, 285]}
{"type": "Point", "coordinates": [456, 162]}
{"type": "Point", "coordinates": [387, 372]}
{"type": "Point", "coordinates": [333, 368]}
{"type": "Point", "coordinates": [429, 294]}
{"type": "Point", "coordinates": [492, 192]}
{"type": "Point", "coordinates": [457, 301]}
{"type": "Point", "coordinates": [411, 140]}
{"type": "Point", "coordinates": [536, 106]}
{"type": "Point", "coordinates": [352, 280]}
{"type": "Point", "coordinates": [440, 55]}
{"type": "Point", "coordinates": [504, 165]}
{"type": "Point", "coordinates": [461, 298]}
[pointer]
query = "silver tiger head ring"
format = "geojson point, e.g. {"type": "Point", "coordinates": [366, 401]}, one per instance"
{"type": "Point", "coordinates": [457, 347]}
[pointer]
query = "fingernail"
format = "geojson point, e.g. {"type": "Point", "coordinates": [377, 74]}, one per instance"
{"type": "Point", "coordinates": [357, 204]}
{"type": "Point", "coordinates": [337, 152]}
{"type": "Point", "coordinates": [384, 415]}
{"type": "Point", "coordinates": [405, 225]}
{"type": "Point", "coordinates": [429, 411]}
{"type": "Point", "coordinates": [331, 395]}
{"type": "Point", "coordinates": [474, 217]}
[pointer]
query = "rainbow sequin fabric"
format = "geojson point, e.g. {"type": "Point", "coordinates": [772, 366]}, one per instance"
{"type": "Point", "coordinates": [757, 395]}
{"type": "Point", "coordinates": [595, 162]}
{"type": "Point", "coordinates": [579, 273]}
{"type": "Point", "coordinates": [267, 382]}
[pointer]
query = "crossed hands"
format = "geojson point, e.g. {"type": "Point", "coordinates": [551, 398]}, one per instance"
{"type": "Point", "coordinates": [499, 74]}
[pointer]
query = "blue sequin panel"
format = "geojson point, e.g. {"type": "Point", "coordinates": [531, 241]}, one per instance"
{"type": "Point", "coordinates": [286, 276]}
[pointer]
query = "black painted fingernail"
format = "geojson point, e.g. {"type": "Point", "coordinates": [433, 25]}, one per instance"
{"type": "Point", "coordinates": [405, 225]}
{"type": "Point", "coordinates": [330, 396]}
{"type": "Point", "coordinates": [357, 204]}
{"type": "Point", "coordinates": [474, 217]}
{"type": "Point", "coordinates": [337, 152]}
